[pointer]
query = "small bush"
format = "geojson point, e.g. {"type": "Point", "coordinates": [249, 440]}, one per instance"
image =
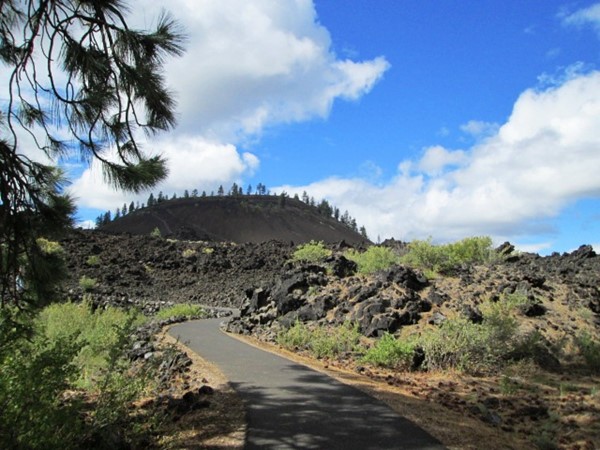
{"type": "Point", "coordinates": [93, 261]}
{"type": "Point", "coordinates": [444, 258]}
{"type": "Point", "coordinates": [188, 253]}
{"type": "Point", "coordinates": [321, 342]}
{"type": "Point", "coordinates": [373, 259]}
{"type": "Point", "coordinates": [390, 352]}
{"type": "Point", "coordinates": [298, 336]}
{"type": "Point", "coordinates": [95, 333]}
{"type": "Point", "coordinates": [49, 247]}
{"type": "Point", "coordinates": [87, 284]}
{"type": "Point", "coordinates": [156, 232]}
{"type": "Point", "coordinates": [54, 353]}
{"type": "Point", "coordinates": [182, 310]}
{"type": "Point", "coordinates": [311, 252]}
{"type": "Point", "coordinates": [589, 350]}
{"type": "Point", "coordinates": [424, 255]}
{"type": "Point", "coordinates": [33, 377]}
{"type": "Point", "coordinates": [470, 347]}
{"type": "Point", "coordinates": [457, 344]}
{"type": "Point", "coordinates": [335, 341]}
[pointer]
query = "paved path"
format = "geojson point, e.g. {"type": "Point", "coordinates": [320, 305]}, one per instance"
{"type": "Point", "coordinates": [291, 406]}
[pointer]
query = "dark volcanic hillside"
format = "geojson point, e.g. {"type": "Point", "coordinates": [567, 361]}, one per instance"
{"type": "Point", "coordinates": [236, 219]}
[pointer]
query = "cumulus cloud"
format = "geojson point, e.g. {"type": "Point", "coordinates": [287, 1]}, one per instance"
{"type": "Point", "coordinates": [248, 65]}
{"type": "Point", "coordinates": [435, 159]}
{"type": "Point", "coordinates": [543, 158]}
{"type": "Point", "coordinates": [479, 129]}
{"type": "Point", "coordinates": [194, 163]}
{"type": "Point", "coordinates": [586, 16]}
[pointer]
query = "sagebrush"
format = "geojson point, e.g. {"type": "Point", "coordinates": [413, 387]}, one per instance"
{"type": "Point", "coordinates": [373, 259]}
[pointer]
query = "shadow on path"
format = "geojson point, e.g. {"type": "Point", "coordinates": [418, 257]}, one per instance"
{"type": "Point", "coordinates": [292, 406]}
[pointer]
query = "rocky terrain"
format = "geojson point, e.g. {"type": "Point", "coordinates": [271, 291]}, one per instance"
{"type": "Point", "coordinates": [150, 272]}
{"type": "Point", "coordinates": [273, 293]}
{"type": "Point", "coordinates": [563, 292]}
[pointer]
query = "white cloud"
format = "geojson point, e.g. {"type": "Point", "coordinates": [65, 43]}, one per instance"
{"type": "Point", "coordinates": [435, 159]}
{"type": "Point", "coordinates": [479, 129]}
{"type": "Point", "coordinates": [544, 157]}
{"type": "Point", "coordinates": [247, 66]}
{"type": "Point", "coordinates": [586, 16]}
{"type": "Point", "coordinates": [194, 163]}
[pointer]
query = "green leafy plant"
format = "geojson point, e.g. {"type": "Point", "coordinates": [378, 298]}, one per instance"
{"type": "Point", "coordinates": [373, 259]}
{"type": "Point", "coordinates": [65, 348]}
{"type": "Point", "coordinates": [390, 352]}
{"type": "Point", "coordinates": [93, 260]}
{"type": "Point", "coordinates": [329, 342]}
{"type": "Point", "coordinates": [311, 252]}
{"type": "Point", "coordinates": [87, 284]}
{"type": "Point", "coordinates": [95, 333]}
{"type": "Point", "coordinates": [508, 385]}
{"type": "Point", "coordinates": [589, 349]}
{"type": "Point", "coordinates": [182, 310]}
{"type": "Point", "coordinates": [474, 347]}
{"type": "Point", "coordinates": [444, 258]}
{"type": "Point", "coordinates": [321, 341]}
{"type": "Point", "coordinates": [298, 336]}
{"type": "Point", "coordinates": [188, 253]}
{"type": "Point", "coordinates": [33, 377]}
{"type": "Point", "coordinates": [156, 232]}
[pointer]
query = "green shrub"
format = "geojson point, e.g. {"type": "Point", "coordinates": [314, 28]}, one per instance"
{"type": "Point", "coordinates": [311, 252]}
{"type": "Point", "coordinates": [49, 247]}
{"type": "Point", "coordinates": [444, 258]}
{"type": "Point", "coordinates": [33, 377]}
{"type": "Point", "coordinates": [93, 260]}
{"type": "Point", "coordinates": [66, 346]}
{"type": "Point", "coordinates": [373, 259]}
{"type": "Point", "coordinates": [321, 341]}
{"type": "Point", "coordinates": [156, 232]}
{"type": "Point", "coordinates": [390, 352]}
{"type": "Point", "coordinates": [298, 336]}
{"type": "Point", "coordinates": [87, 284]}
{"type": "Point", "coordinates": [589, 348]}
{"type": "Point", "coordinates": [424, 255]}
{"type": "Point", "coordinates": [188, 253]}
{"type": "Point", "coordinates": [184, 310]}
{"type": "Point", "coordinates": [473, 250]}
{"type": "Point", "coordinates": [470, 347]}
{"type": "Point", "coordinates": [457, 344]}
{"type": "Point", "coordinates": [97, 334]}
{"type": "Point", "coordinates": [334, 341]}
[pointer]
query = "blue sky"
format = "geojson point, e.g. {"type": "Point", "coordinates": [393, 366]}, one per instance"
{"type": "Point", "coordinates": [422, 118]}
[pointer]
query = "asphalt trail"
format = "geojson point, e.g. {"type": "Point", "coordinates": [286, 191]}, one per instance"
{"type": "Point", "coordinates": [290, 406]}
